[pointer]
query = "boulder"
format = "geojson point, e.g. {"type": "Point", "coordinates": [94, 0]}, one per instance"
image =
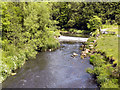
{"type": "Point", "coordinates": [75, 54]}
{"type": "Point", "coordinates": [82, 46]}
{"type": "Point", "coordinates": [50, 50]}
{"type": "Point", "coordinates": [13, 74]}
{"type": "Point", "coordinates": [94, 41]}
{"type": "Point", "coordinates": [87, 50]}
{"type": "Point", "coordinates": [83, 53]}
{"type": "Point", "coordinates": [90, 45]}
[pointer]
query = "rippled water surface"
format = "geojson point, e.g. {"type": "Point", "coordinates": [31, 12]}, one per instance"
{"type": "Point", "coordinates": [56, 69]}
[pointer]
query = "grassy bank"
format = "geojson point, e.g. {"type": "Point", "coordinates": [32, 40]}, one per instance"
{"type": "Point", "coordinates": [112, 28]}
{"type": "Point", "coordinates": [14, 57]}
{"type": "Point", "coordinates": [104, 57]}
{"type": "Point", "coordinates": [26, 29]}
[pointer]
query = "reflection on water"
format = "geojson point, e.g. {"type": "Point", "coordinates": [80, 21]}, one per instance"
{"type": "Point", "coordinates": [56, 69]}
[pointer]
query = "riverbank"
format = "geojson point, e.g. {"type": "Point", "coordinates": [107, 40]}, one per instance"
{"type": "Point", "coordinates": [103, 52]}
{"type": "Point", "coordinates": [14, 58]}
{"type": "Point", "coordinates": [75, 33]}
{"type": "Point", "coordinates": [55, 69]}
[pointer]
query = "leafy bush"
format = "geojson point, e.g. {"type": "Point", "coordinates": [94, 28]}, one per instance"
{"type": "Point", "coordinates": [25, 28]}
{"type": "Point", "coordinates": [97, 60]}
{"type": "Point", "coordinates": [95, 33]}
{"type": "Point", "coordinates": [110, 84]}
{"type": "Point", "coordinates": [80, 31]}
{"type": "Point", "coordinates": [73, 30]}
{"type": "Point", "coordinates": [94, 23]}
{"type": "Point", "coordinates": [103, 70]}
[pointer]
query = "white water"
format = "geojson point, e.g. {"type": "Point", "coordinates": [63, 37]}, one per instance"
{"type": "Point", "coordinates": [73, 39]}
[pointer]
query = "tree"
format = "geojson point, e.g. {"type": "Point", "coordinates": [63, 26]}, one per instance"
{"type": "Point", "coordinates": [94, 23]}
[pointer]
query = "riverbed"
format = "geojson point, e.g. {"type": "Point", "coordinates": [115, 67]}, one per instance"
{"type": "Point", "coordinates": [56, 69]}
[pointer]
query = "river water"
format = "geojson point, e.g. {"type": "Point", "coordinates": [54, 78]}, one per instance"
{"type": "Point", "coordinates": [56, 69]}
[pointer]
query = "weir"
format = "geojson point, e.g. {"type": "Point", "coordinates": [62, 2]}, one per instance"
{"type": "Point", "coordinates": [72, 39]}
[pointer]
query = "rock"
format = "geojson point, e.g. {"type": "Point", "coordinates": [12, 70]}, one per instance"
{"type": "Point", "coordinates": [87, 50]}
{"type": "Point", "coordinates": [82, 57]}
{"type": "Point", "coordinates": [55, 37]}
{"type": "Point", "coordinates": [90, 45]}
{"type": "Point", "coordinates": [13, 74]}
{"type": "Point", "coordinates": [94, 41]}
{"type": "Point", "coordinates": [118, 35]}
{"type": "Point", "coordinates": [82, 46]}
{"type": "Point", "coordinates": [84, 53]}
{"type": "Point", "coordinates": [50, 50]}
{"type": "Point", "coordinates": [91, 42]}
{"type": "Point", "coordinates": [75, 54]}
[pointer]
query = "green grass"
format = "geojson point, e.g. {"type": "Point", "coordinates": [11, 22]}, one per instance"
{"type": "Point", "coordinates": [112, 28]}
{"type": "Point", "coordinates": [109, 26]}
{"type": "Point", "coordinates": [106, 75]}
{"type": "Point", "coordinates": [14, 57]}
{"type": "Point", "coordinates": [109, 45]}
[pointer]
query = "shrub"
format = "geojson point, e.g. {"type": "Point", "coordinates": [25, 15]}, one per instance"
{"type": "Point", "coordinates": [94, 23]}
{"type": "Point", "coordinates": [110, 84]}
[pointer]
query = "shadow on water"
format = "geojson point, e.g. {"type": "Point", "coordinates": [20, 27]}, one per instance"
{"type": "Point", "coordinates": [56, 69]}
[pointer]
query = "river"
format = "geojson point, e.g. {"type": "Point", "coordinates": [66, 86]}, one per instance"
{"type": "Point", "coordinates": [56, 69]}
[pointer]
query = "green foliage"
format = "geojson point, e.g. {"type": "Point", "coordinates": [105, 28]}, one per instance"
{"type": "Point", "coordinates": [89, 70]}
{"type": "Point", "coordinates": [107, 75]}
{"type": "Point", "coordinates": [78, 14]}
{"type": "Point", "coordinates": [30, 26]}
{"type": "Point", "coordinates": [103, 71]}
{"type": "Point", "coordinates": [73, 30]}
{"type": "Point", "coordinates": [94, 23]}
{"type": "Point", "coordinates": [95, 33]}
{"type": "Point", "coordinates": [111, 41]}
{"type": "Point", "coordinates": [91, 39]}
{"type": "Point", "coordinates": [111, 28]}
{"type": "Point", "coordinates": [110, 84]}
{"type": "Point", "coordinates": [26, 27]}
{"type": "Point", "coordinates": [97, 60]}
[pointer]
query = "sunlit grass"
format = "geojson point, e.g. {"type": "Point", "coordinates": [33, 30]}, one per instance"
{"type": "Point", "coordinates": [112, 28]}
{"type": "Point", "coordinates": [107, 74]}
{"type": "Point", "coordinates": [109, 45]}
{"type": "Point", "coordinates": [109, 26]}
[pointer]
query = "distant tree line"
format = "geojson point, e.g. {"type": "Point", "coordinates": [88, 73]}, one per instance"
{"type": "Point", "coordinates": [78, 14]}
